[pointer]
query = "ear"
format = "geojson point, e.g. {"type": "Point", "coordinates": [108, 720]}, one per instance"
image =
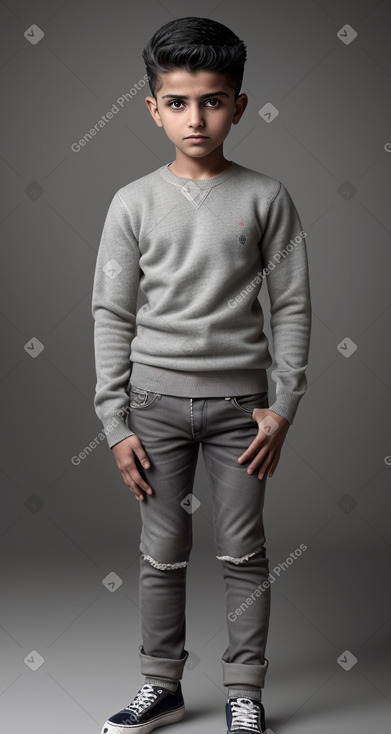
{"type": "Point", "coordinates": [240, 106]}
{"type": "Point", "coordinates": [152, 106]}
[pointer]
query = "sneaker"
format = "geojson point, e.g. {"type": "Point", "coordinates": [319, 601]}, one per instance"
{"type": "Point", "coordinates": [245, 715]}
{"type": "Point", "coordinates": [152, 707]}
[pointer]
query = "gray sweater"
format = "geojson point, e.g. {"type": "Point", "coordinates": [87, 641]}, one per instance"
{"type": "Point", "coordinates": [200, 251]}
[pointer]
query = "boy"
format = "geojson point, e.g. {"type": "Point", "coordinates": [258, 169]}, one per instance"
{"type": "Point", "coordinates": [199, 235]}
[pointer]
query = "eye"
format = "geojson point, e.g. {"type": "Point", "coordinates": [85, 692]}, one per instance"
{"type": "Point", "coordinates": [175, 101]}
{"type": "Point", "coordinates": [218, 101]}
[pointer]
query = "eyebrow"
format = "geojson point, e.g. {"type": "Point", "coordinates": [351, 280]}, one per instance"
{"type": "Point", "coordinates": [203, 96]}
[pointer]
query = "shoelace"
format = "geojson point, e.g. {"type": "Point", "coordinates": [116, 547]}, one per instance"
{"type": "Point", "coordinates": [144, 698]}
{"type": "Point", "coordinates": [245, 714]}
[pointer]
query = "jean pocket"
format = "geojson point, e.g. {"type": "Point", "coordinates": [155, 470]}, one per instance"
{"type": "Point", "coordinates": [247, 403]}
{"type": "Point", "coordinates": [141, 399]}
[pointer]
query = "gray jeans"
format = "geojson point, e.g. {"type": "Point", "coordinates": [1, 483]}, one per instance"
{"type": "Point", "coordinates": [171, 429]}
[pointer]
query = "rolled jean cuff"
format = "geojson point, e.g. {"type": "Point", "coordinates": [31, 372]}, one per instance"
{"type": "Point", "coordinates": [235, 674]}
{"type": "Point", "coordinates": [162, 667]}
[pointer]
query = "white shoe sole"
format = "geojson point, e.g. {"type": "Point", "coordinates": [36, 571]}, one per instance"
{"type": "Point", "coordinates": [170, 718]}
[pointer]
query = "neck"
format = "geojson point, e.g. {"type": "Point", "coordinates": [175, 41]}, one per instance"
{"type": "Point", "coordinates": [198, 168]}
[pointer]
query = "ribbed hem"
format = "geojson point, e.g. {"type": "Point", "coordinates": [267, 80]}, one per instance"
{"type": "Point", "coordinates": [116, 431]}
{"type": "Point", "coordinates": [208, 384]}
{"type": "Point", "coordinates": [286, 405]}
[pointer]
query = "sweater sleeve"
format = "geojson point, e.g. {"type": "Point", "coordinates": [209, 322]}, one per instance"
{"type": "Point", "coordinates": [114, 307]}
{"type": "Point", "coordinates": [284, 254]}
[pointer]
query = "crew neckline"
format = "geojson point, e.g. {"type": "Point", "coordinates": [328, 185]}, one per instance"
{"type": "Point", "coordinates": [203, 183]}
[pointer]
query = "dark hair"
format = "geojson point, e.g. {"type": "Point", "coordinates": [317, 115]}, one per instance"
{"type": "Point", "coordinates": [193, 43]}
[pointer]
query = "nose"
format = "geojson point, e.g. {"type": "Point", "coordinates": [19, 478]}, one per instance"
{"type": "Point", "coordinates": [195, 118]}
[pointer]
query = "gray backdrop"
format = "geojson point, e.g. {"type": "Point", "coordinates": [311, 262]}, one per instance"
{"type": "Point", "coordinates": [69, 529]}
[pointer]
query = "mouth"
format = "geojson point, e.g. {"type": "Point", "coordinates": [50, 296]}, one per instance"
{"type": "Point", "coordinates": [196, 137]}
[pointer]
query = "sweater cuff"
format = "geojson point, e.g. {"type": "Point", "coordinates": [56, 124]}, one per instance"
{"type": "Point", "coordinates": [116, 430]}
{"type": "Point", "coordinates": [286, 405]}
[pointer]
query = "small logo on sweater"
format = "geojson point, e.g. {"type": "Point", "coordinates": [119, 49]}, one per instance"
{"type": "Point", "coordinates": [242, 239]}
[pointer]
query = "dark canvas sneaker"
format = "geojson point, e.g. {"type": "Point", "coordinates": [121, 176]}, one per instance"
{"type": "Point", "coordinates": [245, 715]}
{"type": "Point", "coordinates": [152, 707]}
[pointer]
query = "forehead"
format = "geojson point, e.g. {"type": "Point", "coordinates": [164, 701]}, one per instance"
{"type": "Point", "coordinates": [194, 83]}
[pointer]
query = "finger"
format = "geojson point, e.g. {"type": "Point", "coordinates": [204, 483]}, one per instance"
{"type": "Point", "coordinates": [263, 470]}
{"type": "Point", "coordinates": [255, 445]}
{"type": "Point", "coordinates": [270, 465]}
{"type": "Point", "coordinates": [274, 465]}
{"type": "Point", "coordinates": [138, 480]}
{"type": "Point", "coordinates": [138, 497]}
{"type": "Point", "coordinates": [133, 488]}
{"type": "Point", "coordinates": [141, 454]}
{"type": "Point", "coordinates": [258, 463]}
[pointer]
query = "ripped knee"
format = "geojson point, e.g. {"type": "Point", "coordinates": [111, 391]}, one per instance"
{"type": "Point", "coordinates": [241, 559]}
{"type": "Point", "coordinates": [164, 566]}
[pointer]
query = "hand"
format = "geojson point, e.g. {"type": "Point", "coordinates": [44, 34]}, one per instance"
{"type": "Point", "coordinates": [124, 452]}
{"type": "Point", "coordinates": [266, 447]}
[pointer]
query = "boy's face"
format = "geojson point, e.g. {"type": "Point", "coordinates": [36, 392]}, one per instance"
{"type": "Point", "coordinates": [196, 103]}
